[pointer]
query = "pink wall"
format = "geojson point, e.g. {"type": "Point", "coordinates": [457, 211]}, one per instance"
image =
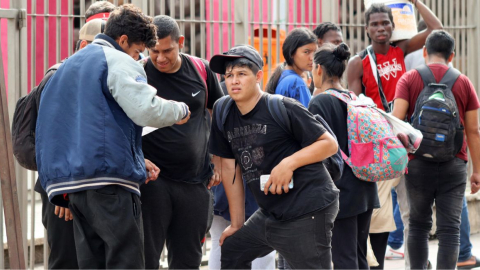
{"type": "Point", "coordinates": [39, 41]}
{"type": "Point", "coordinates": [222, 45]}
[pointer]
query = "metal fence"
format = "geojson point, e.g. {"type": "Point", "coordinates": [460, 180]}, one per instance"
{"type": "Point", "coordinates": [41, 33]}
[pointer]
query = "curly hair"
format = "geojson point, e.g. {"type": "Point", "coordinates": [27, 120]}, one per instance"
{"type": "Point", "coordinates": [129, 20]}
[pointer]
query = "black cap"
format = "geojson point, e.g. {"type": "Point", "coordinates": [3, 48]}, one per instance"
{"type": "Point", "coordinates": [217, 63]}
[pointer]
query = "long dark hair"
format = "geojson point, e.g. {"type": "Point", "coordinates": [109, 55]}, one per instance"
{"type": "Point", "coordinates": [332, 59]}
{"type": "Point", "coordinates": [295, 39]}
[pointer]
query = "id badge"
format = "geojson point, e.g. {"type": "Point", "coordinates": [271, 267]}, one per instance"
{"type": "Point", "coordinates": [264, 178]}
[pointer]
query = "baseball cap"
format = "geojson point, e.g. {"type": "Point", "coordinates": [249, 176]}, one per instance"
{"type": "Point", "coordinates": [217, 63]}
{"type": "Point", "coordinates": [91, 29]}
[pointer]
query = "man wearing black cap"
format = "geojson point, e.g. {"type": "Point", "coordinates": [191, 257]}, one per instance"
{"type": "Point", "coordinates": [294, 220]}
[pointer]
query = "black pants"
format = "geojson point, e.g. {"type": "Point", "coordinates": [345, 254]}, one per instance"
{"type": "Point", "coordinates": [108, 229]}
{"type": "Point", "coordinates": [305, 242]}
{"type": "Point", "coordinates": [176, 213]}
{"type": "Point", "coordinates": [349, 241]}
{"type": "Point", "coordinates": [59, 237]}
{"type": "Point", "coordinates": [442, 183]}
{"type": "Point", "coordinates": [379, 246]}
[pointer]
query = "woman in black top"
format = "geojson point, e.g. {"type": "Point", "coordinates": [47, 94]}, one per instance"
{"type": "Point", "coordinates": [357, 198]}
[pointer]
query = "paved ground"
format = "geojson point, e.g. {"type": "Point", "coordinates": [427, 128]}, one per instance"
{"type": "Point", "coordinates": [433, 248]}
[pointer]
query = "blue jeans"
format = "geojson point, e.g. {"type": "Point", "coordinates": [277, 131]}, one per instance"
{"type": "Point", "coordinates": [443, 183]}
{"type": "Point", "coordinates": [395, 239]}
{"type": "Point", "coordinates": [465, 245]}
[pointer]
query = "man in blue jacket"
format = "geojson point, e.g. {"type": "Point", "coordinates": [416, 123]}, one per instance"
{"type": "Point", "coordinates": [88, 140]}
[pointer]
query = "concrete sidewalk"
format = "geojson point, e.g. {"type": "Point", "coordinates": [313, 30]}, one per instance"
{"type": "Point", "coordinates": [433, 248]}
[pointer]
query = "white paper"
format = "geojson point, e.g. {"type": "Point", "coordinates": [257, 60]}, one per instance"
{"type": "Point", "coordinates": [147, 130]}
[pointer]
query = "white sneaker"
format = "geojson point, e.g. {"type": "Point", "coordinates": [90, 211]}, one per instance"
{"type": "Point", "coordinates": [395, 254]}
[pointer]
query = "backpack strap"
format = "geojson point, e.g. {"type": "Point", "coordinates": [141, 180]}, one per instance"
{"type": "Point", "coordinates": [342, 96]}
{"type": "Point", "coordinates": [450, 77]}
{"type": "Point", "coordinates": [201, 71]}
{"type": "Point", "coordinates": [378, 79]}
{"type": "Point", "coordinates": [222, 108]}
{"type": "Point", "coordinates": [426, 74]}
{"type": "Point", "coordinates": [277, 109]}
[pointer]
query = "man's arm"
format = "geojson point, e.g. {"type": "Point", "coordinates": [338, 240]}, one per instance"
{"type": "Point", "coordinates": [127, 82]}
{"type": "Point", "coordinates": [354, 74]}
{"type": "Point", "coordinates": [400, 108]}
{"type": "Point", "coordinates": [432, 22]}
{"type": "Point", "coordinates": [473, 141]}
{"type": "Point", "coordinates": [235, 195]}
{"type": "Point", "coordinates": [324, 147]}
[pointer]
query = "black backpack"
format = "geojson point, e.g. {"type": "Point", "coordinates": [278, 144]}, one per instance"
{"type": "Point", "coordinates": [25, 121]}
{"type": "Point", "coordinates": [276, 107]}
{"type": "Point", "coordinates": [436, 116]}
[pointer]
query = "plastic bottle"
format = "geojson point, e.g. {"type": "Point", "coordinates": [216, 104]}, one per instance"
{"type": "Point", "coordinates": [403, 13]}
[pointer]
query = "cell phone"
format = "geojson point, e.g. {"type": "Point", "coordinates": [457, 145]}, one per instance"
{"type": "Point", "coordinates": [264, 178]}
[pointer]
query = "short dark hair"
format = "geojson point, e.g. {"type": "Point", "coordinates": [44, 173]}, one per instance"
{"type": "Point", "coordinates": [332, 59]}
{"type": "Point", "coordinates": [166, 26]}
{"type": "Point", "coordinates": [242, 62]}
{"type": "Point", "coordinates": [129, 20]}
{"type": "Point", "coordinates": [378, 8]}
{"type": "Point", "coordinates": [421, 26]}
{"type": "Point", "coordinates": [441, 43]}
{"type": "Point", "coordinates": [99, 7]}
{"type": "Point", "coordinates": [324, 27]}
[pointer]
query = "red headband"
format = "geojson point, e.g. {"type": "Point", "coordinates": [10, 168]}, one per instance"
{"type": "Point", "coordinates": [103, 16]}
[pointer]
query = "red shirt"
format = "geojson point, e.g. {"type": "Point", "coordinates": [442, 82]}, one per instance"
{"type": "Point", "coordinates": [390, 67]}
{"type": "Point", "coordinates": [411, 84]}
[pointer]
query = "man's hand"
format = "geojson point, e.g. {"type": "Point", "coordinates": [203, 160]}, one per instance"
{"type": "Point", "coordinates": [184, 120]}
{"type": "Point", "coordinates": [217, 172]}
{"type": "Point", "coordinates": [152, 171]}
{"type": "Point", "coordinates": [280, 177]}
{"type": "Point", "coordinates": [475, 182]}
{"type": "Point", "coordinates": [62, 211]}
{"type": "Point", "coordinates": [229, 231]}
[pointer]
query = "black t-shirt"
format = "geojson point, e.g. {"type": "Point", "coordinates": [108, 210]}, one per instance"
{"type": "Point", "coordinates": [356, 196]}
{"type": "Point", "coordinates": [258, 144]}
{"type": "Point", "coordinates": [181, 151]}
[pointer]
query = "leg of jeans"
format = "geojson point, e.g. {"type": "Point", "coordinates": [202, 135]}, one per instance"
{"type": "Point", "coordinates": [379, 245]}
{"type": "Point", "coordinates": [448, 204]}
{"type": "Point", "coordinates": [465, 245]}
{"type": "Point", "coordinates": [363, 226]}
{"type": "Point", "coordinates": [188, 226]}
{"type": "Point", "coordinates": [114, 214]}
{"type": "Point", "coordinates": [395, 239]}
{"type": "Point", "coordinates": [345, 243]}
{"type": "Point", "coordinates": [218, 226]}
{"type": "Point", "coordinates": [89, 246]}
{"type": "Point", "coordinates": [420, 183]}
{"type": "Point", "coordinates": [305, 242]}
{"type": "Point", "coordinates": [247, 244]}
{"type": "Point", "coordinates": [59, 236]}
{"type": "Point", "coordinates": [404, 208]}
{"type": "Point", "coordinates": [157, 214]}
{"type": "Point", "coordinates": [282, 263]}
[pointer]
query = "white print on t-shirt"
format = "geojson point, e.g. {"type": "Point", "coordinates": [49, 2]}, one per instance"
{"type": "Point", "coordinates": [388, 69]}
{"type": "Point", "coordinates": [242, 140]}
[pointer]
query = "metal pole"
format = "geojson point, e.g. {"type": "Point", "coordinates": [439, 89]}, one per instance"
{"type": "Point", "coordinates": [241, 21]}
{"type": "Point", "coordinates": [8, 183]}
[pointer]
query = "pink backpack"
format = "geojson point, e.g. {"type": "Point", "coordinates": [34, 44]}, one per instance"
{"type": "Point", "coordinates": [376, 154]}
